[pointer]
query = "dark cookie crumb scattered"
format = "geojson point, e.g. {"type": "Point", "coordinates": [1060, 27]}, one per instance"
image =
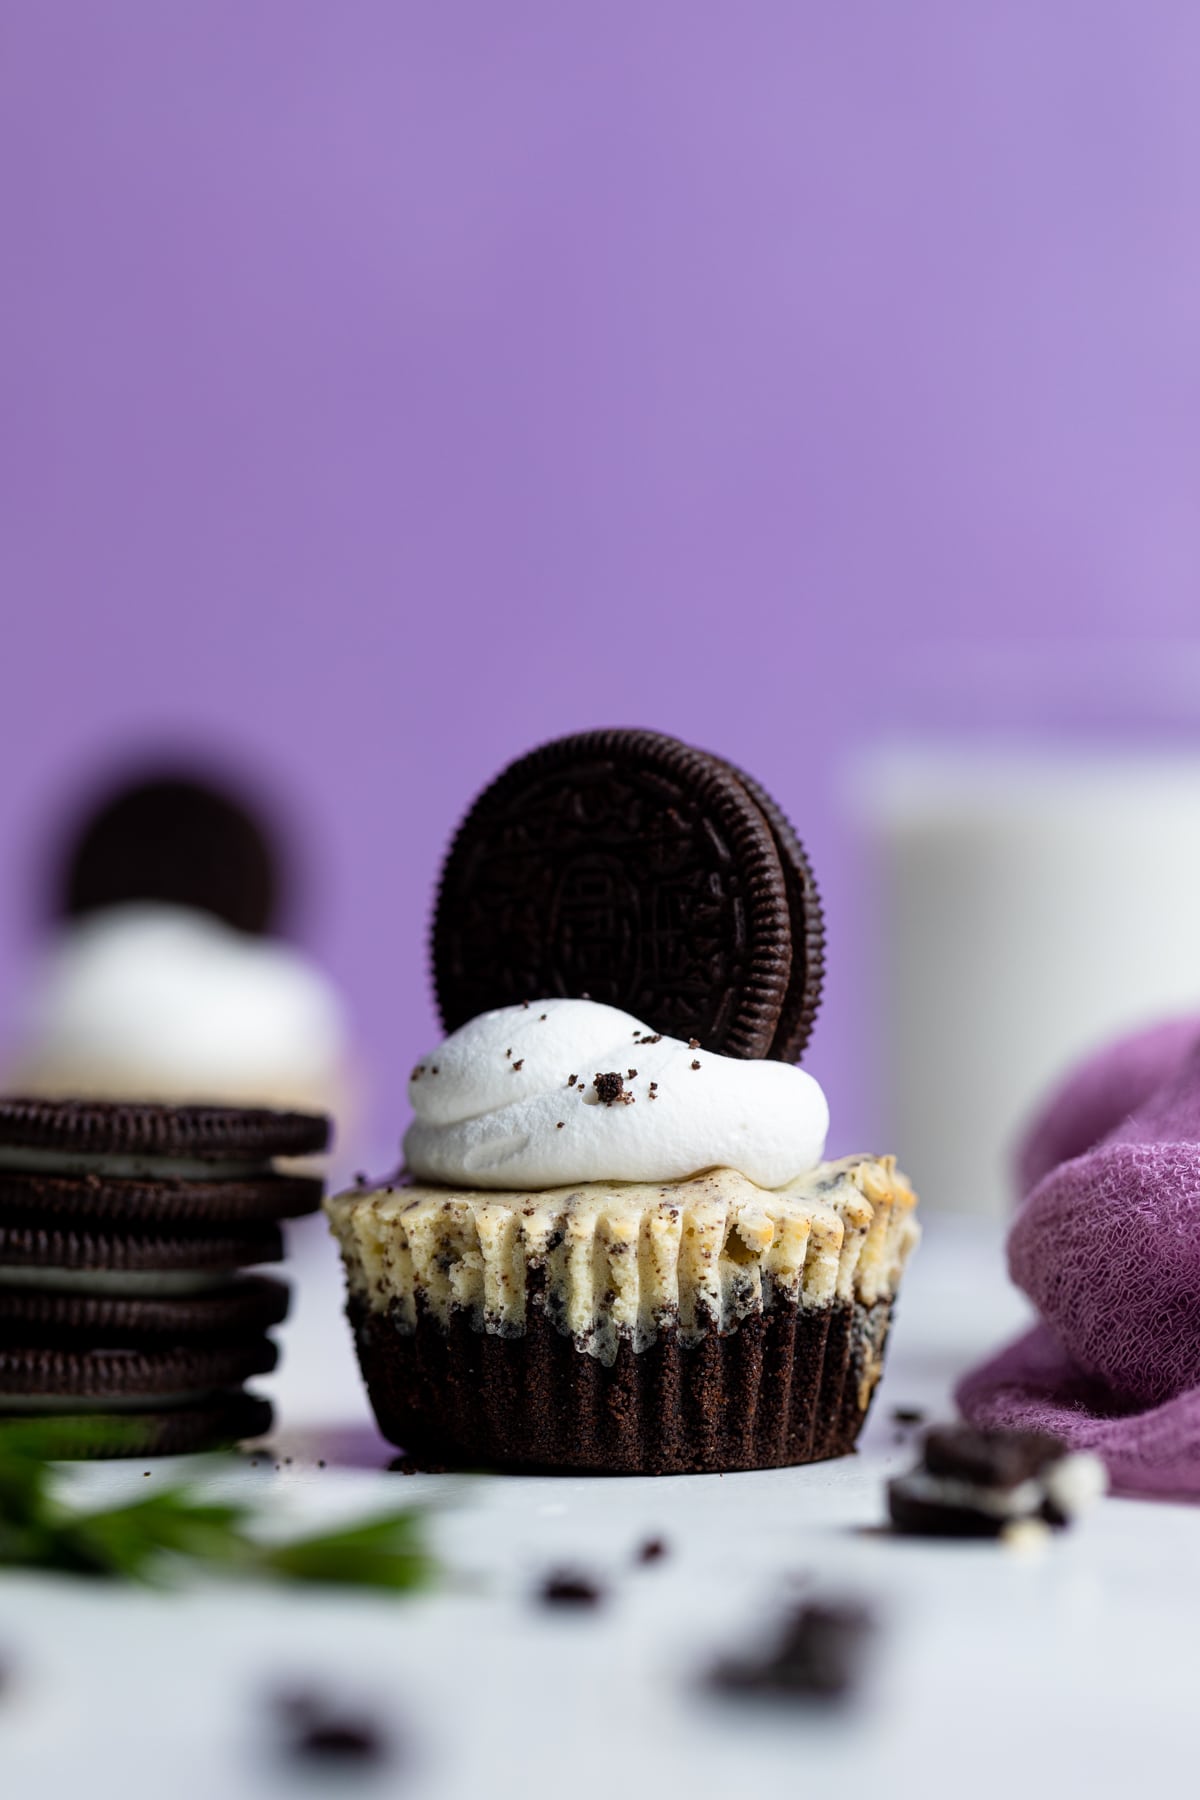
{"type": "Point", "coordinates": [693, 1043]}
{"type": "Point", "coordinates": [433, 1068]}
{"type": "Point", "coordinates": [519, 1064]}
{"type": "Point", "coordinates": [908, 1415]}
{"type": "Point", "coordinates": [570, 1081]}
{"type": "Point", "coordinates": [542, 1018]}
{"type": "Point", "coordinates": [630, 1074]}
{"type": "Point", "coordinates": [559, 1126]}
{"type": "Point", "coordinates": [817, 1657]}
{"type": "Point", "coordinates": [695, 1065]}
{"type": "Point", "coordinates": [317, 1730]}
{"type": "Point", "coordinates": [610, 1087]}
{"type": "Point", "coordinates": [569, 1588]}
{"type": "Point", "coordinates": [508, 1052]}
{"type": "Point", "coordinates": [653, 1550]}
{"type": "Point", "coordinates": [360, 1178]}
{"type": "Point", "coordinates": [339, 1740]}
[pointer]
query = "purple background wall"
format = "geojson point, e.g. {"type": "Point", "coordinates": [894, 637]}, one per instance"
{"type": "Point", "coordinates": [385, 388]}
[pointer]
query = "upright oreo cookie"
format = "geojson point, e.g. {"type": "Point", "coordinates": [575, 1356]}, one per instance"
{"type": "Point", "coordinates": [628, 867]}
{"type": "Point", "coordinates": [802, 1001]}
{"type": "Point", "coordinates": [177, 837]}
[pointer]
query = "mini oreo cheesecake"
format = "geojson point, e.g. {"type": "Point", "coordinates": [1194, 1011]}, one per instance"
{"type": "Point", "coordinates": [558, 1286]}
{"type": "Point", "coordinates": [614, 1245]}
{"type": "Point", "coordinates": [164, 977]}
{"type": "Point", "coordinates": [128, 1323]}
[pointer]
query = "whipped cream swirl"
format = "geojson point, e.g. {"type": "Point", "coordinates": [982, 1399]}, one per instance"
{"type": "Point", "coordinates": [151, 1000]}
{"type": "Point", "coordinates": [565, 1091]}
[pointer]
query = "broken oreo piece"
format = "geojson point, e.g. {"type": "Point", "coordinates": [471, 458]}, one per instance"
{"type": "Point", "coordinates": [652, 1551]}
{"type": "Point", "coordinates": [818, 1656]}
{"type": "Point", "coordinates": [316, 1729]}
{"type": "Point", "coordinates": [567, 1587]}
{"type": "Point", "coordinates": [972, 1483]}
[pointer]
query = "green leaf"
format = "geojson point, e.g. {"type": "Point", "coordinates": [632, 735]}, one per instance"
{"type": "Point", "coordinates": [158, 1534]}
{"type": "Point", "coordinates": [385, 1552]}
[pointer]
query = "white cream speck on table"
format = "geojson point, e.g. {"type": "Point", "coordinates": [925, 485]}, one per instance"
{"type": "Point", "coordinates": [994, 1671]}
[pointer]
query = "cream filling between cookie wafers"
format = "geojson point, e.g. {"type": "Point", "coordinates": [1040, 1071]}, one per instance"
{"type": "Point", "coordinates": [1071, 1484]}
{"type": "Point", "coordinates": [624, 1260]}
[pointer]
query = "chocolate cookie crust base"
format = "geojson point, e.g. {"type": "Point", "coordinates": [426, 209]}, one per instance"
{"type": "Point", "coordinates": [789, 1386]}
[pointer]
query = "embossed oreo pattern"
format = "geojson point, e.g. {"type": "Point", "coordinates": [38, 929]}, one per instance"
{"type": "Point", "coordinates": [122, 1128]}
{"type": "Point", "coordinates": [247, 1306]}
{"type": "Point", "coordinates": [127, 1373]}
{"type": "Point", "coordinates": [113, 1201]}
{"type": "Point", "coordinates": [625, 866]}
{"type": "Point", "coordinates": [68, 1245]}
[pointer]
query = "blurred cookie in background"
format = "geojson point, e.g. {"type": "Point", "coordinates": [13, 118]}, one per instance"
{"type": "Point", "coordinates": [163, 978]}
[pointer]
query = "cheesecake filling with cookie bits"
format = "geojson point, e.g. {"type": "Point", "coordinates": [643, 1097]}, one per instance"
{"type": "Point", "coordinates": [560, 1091]}
{"type": "Point", "coordinates": [610, 1262]}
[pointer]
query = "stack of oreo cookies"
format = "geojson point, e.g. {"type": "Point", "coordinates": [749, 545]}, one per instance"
{"type": "Point", "coordinates": [125, 1235]}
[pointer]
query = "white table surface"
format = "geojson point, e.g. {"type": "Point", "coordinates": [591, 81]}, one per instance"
{"type": "Point", "coordinates": [1072, 1669]}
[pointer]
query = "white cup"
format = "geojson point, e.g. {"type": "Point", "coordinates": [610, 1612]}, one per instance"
{"type": "Point", "coordinates": [1030, 906]}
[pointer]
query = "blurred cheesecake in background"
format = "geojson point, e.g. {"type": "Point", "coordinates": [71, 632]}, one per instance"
{"type": "Point", "coordinates": [163, 979]}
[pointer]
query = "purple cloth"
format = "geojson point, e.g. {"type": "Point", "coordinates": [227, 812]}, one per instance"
{"type": "Point", "coordinates": [1107, 1246]}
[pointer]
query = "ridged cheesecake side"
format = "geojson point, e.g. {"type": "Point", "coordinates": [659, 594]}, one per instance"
{"type": "Point", "coordinates": [694, 1325]}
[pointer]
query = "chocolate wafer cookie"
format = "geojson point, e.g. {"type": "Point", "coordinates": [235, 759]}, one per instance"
{"type": "Point", "coordinates": [215, 1423]}
{"type": "Point", "coordinates": [150, 1400]}
{"type": "Point", "coordinates": [627, 867]}
{"type": "Point", "coordinates": [42, 1379]}
{"type": "Point", "coordinates": [66, 1317]}
{"type": "Point", "coordinates": [162, 1258]}
{"type": "Point", "coordinates": [802, 1001]}
{"type": "Point", "coordinates": [196, 1136]}
{"type": "Point", "coordinates": [174, 836]}
{"type": "Point", "coordinates": [101, 1201]}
